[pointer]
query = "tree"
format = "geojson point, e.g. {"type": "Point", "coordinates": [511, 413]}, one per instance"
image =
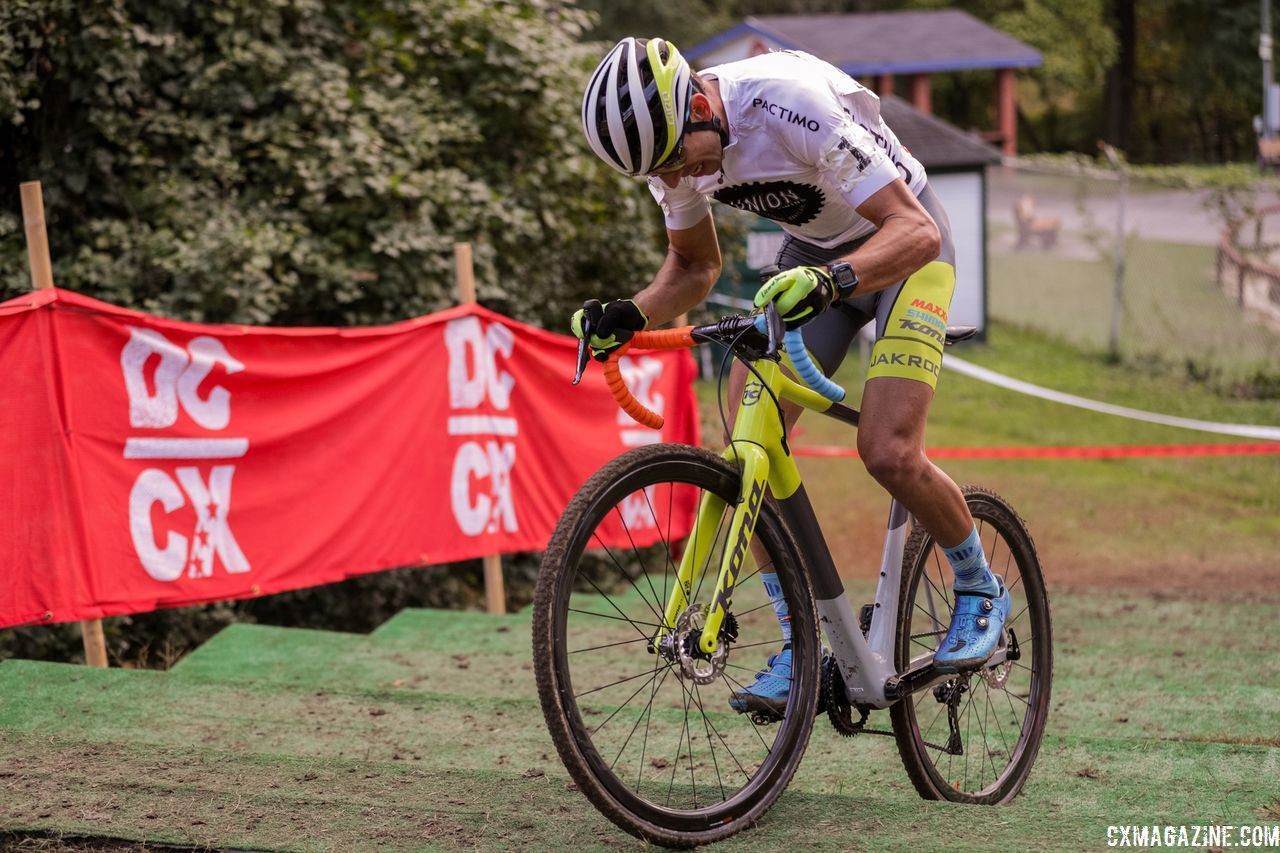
{"type": "Point", "coordinates": [1122, 73]}
{"type": "Point", "coordinates": [311, 161]}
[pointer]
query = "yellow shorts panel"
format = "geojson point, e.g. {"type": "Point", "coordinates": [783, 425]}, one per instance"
{"type": "Point", "coordinates": [916, 330]}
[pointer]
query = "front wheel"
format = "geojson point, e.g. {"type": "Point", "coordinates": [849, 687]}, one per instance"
{"type": "Point", "coordinates": [646, 729]}
{"type": "Point", "coordinates": [974, 737]}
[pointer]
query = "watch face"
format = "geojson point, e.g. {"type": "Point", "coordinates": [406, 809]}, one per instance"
{"type": "Point", "coordinates": [843, 274]}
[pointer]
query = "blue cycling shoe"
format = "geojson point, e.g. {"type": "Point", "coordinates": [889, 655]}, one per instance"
{"type": "Point", "coordinates": [976, 625]}
{"type": "Point", "coordinates": [768, 693]}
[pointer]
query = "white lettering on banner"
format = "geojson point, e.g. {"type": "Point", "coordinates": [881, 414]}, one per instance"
{"type": "Point", "coordinates": [481, 425]}
{"type": "Point", "coordinates": [155, 486]}
{"type": "Point", "coordinates": [185, 448]}
{"type": "Point", "coordinates": [642, 376]}
{"type": "Point", "coordinates": [484, 512]}
{"type": "Point", "coordinates": [468, 389]}
{"type": "Point", "coordinates": [480, 486]}
{"type": "Point", "coordinates": [637, 509]}
{"type": "Point", "coordinates": [212, 535]}
{"type": "Point", "coordinates": [176, 380]}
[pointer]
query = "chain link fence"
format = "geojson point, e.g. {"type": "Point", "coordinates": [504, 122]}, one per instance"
{"type": "Point", "coordinates": [1174, 279]}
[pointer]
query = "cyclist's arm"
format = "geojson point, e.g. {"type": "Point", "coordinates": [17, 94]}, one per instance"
{"type": "Point", "coordinates": [905, 241]}
{"type": "Point", "coordinates": [687, 275]}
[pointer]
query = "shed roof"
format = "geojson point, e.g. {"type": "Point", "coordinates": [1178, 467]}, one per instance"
{"type": "Point", "coordinates": [887, 42]}
{"type": "Point", "coordinates": [932, 141]}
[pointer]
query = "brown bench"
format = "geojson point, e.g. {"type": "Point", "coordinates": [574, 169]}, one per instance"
{"type": "Point", "coordinates": [1032, 227]}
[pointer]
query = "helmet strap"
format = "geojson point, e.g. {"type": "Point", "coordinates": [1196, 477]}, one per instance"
{"type": "Point", "coordinates": [714, 124]}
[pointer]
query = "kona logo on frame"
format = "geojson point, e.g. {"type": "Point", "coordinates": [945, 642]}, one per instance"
{"type": "Point", "coordinates": [749, 519]}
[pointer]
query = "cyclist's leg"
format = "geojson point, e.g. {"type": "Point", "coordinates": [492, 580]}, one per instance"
{"type": "Point", "coordinates": [827, 338]}
{"type": "Point", "coordinates": [911, 325]}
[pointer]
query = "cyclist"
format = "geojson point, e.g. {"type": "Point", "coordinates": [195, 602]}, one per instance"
{"type": "Point", "coordinates": [794, 139]}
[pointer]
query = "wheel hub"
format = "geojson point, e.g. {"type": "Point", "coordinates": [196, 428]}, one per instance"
{"type": "Point", "coordinates": [681, 647]}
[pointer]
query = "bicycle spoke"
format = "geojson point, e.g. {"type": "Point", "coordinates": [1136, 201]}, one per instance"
{"type": "Point", "coordinates": [608, 645]}
{"type": "Point", "coordinates": [610, 684]}
{"type": "Point", "coordinates": [711, 748]}
{"type": "Point", "coordinates": [986, 746]}
{"type": "Point", "coordinates": [675, 764]}
{"type": "Point", "coordinates": [623, 572]}
{"type": "Point", "coordinates": [652, 676]}
{"type": "Point", "coordinates": [749, 669]}
{"type": "Point", "coordinates": [617, 509]}
{"type": "Point", "coordinates": [648, 720]}
{"type": "Point", "coordinates": [740, 647]}
{"type": "Point", "coordinates": [723, 742]}
{"type": "Point", "coordinates": [742, 689]}
{"type": "Point", "coordinates": [996, 715]}
{"type": "Point", "coordinates": [623, 618]}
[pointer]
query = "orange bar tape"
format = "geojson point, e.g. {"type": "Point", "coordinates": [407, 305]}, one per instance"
{"type": "Point", "coordinates": [1094, 452]}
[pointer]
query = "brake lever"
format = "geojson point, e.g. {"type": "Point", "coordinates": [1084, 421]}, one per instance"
{"type": "Point", "coordinates": [583, 358]}
{"type": "Point", "coordinates": [774, 328]}
{"type": "Point", "coordinates": [584, 350]}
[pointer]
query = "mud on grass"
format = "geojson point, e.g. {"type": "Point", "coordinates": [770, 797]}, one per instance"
{"type": "Point", "coordinates": [221, 800]}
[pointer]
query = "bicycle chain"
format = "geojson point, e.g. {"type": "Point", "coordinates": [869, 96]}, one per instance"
{"type": "Point", "coordinates": [839, 711]}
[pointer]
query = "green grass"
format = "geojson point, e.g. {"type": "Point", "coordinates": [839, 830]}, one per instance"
{"type": "Point", "coordinates": [1174, 312]}
{"type": "Point", "coordinates": [280, 739]}
{"type": "Point", "coordinates": [427, 734]}
{"type": "Point", "coordinates": [1174, 524]}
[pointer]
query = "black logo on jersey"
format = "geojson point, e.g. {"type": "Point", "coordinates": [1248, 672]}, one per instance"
{"type": "Point", "coordinates": [781, 201]}
{"type": "Point", "coordinates": [849, 145]}
{"type": "Point", "coordinates": [787, 115]}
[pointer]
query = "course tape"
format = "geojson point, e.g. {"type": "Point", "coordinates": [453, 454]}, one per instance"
{"type": "Point", "coordinates": [982, 374]}
{"type": "Point", "coordinates": [1086, 452]}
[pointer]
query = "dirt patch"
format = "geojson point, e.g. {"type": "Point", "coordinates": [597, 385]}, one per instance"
{"type": "Point", "coordinates": [1077, 554]}
{"type": "Point", "coordinates": [67, 793]}
{"type": "Point", "coordinates": [1069, 568]}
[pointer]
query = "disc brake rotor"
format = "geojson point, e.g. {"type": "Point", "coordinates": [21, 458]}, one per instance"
{"type": "Point", "coordinates": [696, 665]}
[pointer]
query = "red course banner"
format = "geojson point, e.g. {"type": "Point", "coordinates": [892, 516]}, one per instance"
{"type": "Point", "coordinates": [150, 463]}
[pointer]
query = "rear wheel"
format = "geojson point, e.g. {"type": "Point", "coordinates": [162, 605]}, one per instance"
{"type": "Point", "coordinates": [649, 735]}
{"type": "Point", "coordinates": [974, 738]}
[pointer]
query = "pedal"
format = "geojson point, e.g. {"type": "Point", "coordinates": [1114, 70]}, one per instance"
{"type": "Point", "coordinates": [864, 618]}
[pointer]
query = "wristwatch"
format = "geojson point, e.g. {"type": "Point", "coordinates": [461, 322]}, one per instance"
{"type": "Point", "coordinates": [845, 278]}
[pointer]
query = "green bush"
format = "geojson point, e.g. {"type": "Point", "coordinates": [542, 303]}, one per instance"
{"type": "Point", "coordinates": [309, 162]}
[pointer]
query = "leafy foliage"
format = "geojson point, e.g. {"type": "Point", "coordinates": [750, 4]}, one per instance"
{"type": "Point", "coordinates": [311, 161]}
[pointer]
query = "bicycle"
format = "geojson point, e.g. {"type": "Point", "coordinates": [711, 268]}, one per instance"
{"type": "Point", "coordinates": [636, 654]}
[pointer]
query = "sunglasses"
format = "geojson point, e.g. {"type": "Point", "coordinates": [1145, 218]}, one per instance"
{"type": "Point", "coordinates": [674, 163]}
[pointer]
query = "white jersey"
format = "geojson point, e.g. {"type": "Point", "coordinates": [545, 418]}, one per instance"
{"type": "Point", "coordinates": [806, 147]}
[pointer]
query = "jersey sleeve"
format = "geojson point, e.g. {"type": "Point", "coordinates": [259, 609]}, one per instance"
{"type": "Point", "coordinates": [818, 131]}
{"type": "Point", "coordinates": [682, 206]}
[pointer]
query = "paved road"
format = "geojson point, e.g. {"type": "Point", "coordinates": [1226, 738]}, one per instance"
{"type": "Point", "coordinates": [1176, 216]}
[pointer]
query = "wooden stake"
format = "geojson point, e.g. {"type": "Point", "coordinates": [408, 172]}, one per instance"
{"type": "Point", "coordinates": [37, 236]}
{"type": "Point", "coordinates": [95, 646]}
{"type": "Point", "coordinates": [494, 594]}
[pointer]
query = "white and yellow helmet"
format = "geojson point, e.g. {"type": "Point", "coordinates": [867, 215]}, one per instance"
{"type": "Point", "coordinates": [636, 105]}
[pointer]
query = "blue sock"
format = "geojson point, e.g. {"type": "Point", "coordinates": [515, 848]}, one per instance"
{"type": "Point", "coordinates": [774, 589]}
{"type": "Point", "coordinates": [970, 566]}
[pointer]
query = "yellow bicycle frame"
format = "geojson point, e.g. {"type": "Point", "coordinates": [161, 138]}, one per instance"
{"type": "Point", "coordinates": [759, 449]}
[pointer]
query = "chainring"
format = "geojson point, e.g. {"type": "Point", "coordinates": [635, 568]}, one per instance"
{"type": "Point", "coordinates": [839, 711]}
